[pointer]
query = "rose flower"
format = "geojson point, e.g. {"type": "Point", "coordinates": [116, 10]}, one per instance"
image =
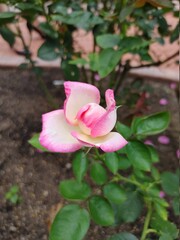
{"type": "Point", "coordinates": [82, 122]}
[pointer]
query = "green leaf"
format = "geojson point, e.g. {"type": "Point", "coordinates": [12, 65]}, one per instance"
{"type": "Point", "coordinates": [72, 189]}
{"type": "Point", "coordinates": [34, 141]}
{"type": "Point", "coordinates": [8, 35]}
{"type": "Point", "coordinates": [101, 211]}
{"type": "Point", "coordinates": [112, 162]}
{"type": "Point", "coordinates": [165, 236]}
{"type": "Point", "coordinates": [48, 51]}
{"type": "Point", "coordinates": [161, 211]}
{"type": "Point", "coordinates": [175, 34]}
{"type": "Point", "coordinates": [164, 227]}
{"type": "Point", "coordinates": [71, 223]}
{"type": "Point", "coordinates": [6, 17]}
{"type": "Point", "coordinates": [79, 19]}
{"type": "Point", "coordinates": [155, 173]}
{"type": "Point", "coordinates": [71, 72]}
{"type": "Point", "coordinates": [163, 26]}
{"type": "Point", "coordinates": [141, 175]}
{"type": "Point", "coordinates": [123, 236]}
{"type": "Point", "coordinates": [94, 61]}
{"type": "Point", "coordinates": [58, 7]}
{"type": "Point", "coordinates": [108, 59]}
{"type": "Point", "coordinates": [161, 201]}
{"type": "Point", "coordinates": [153, 154]}
{"type": "Point", "coordinates": [139, 155]}
{"type": "Point", "coordinates": [13, 195]}
{"type": "Point", "coordinates": [78, 61]}
{"type": "Point", "coordinates": [152, 124]}
{"type": "Point", "coordinates": [98, 174]}
{"type": "Point", "coordinates": [134, 123]}
{"type": "Point", "coordinates": [124, 130]}
{"type": "Point", "coordinates": [29, 7]}
{"type": "Point", "coordinates": [130, 44]}
{"type": "Point", "coordinates": [79, 165]}
{"type": "Point", "coordinates": [170, 183]}
{"type": "Point", "coordinates": [108, 40]}
{"type": "Point", "coordinates": [46, 28]}
{"type": "Point", "coordinates": [124, 162]}
{"type": "Point", "coordinates": [144, 54]}
{"type": "Point", "coordinates": [125, 12]}
{"type": "Point", "coordinates": [129, 210]}
{"type": "Point", "coordinates": [162, 3]}
{"type": "Point", "coordinates": [176, 205]}
{"type": "Point", "coordinates": [114, 193]}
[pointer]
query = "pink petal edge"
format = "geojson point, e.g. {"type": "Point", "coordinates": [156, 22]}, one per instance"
{"type": "Point", "coordinates": [108, 120]}
{"type": "Point", "coordinates": [110, 143]}
{"type": "Point", "coordinates": [78, 94]}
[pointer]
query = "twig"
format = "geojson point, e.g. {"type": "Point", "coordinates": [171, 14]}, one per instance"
{"type": "Point", "coordinates": [146, 223]}
{"type": "Point", "coordinates": [122, 76]}
{"type": "Point", "coordinates": [158, 63]}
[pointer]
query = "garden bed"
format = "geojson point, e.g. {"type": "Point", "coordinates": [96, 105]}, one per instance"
{"type": "Point", "coordinates": [38, 174]}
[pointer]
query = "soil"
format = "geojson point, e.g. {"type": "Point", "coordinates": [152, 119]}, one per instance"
{"type": "Point", "coordinates": [38, 174]}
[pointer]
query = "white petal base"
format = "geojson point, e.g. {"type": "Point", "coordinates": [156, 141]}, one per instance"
{"type": "Point", "coordinates": [56, 133]}
{"type": "Point", "coordinates": [111, 142]}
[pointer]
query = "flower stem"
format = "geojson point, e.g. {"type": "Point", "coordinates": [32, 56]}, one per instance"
{"type": "Point", "coordinates": [89, 149]}
{"type": "Point", "coordinates": [98, 154]}
{"type": "Point", "coordinates": [147, 221]}
{"type": "Point", "coordinates": [119, 177]}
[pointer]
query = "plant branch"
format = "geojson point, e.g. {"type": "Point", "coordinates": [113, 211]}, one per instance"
{"type": "Point", "coordinates": [118, 177]}
{"type": "Point", "coordinates": [32, 27]}
{"type": "Point", "coordinates": [147, 221]}
{"type": "Point", "coordinates": [121, 78]}
{"type": "Point", "coordinates": [158, 63]}
{"type": "Point", "coordinates": [84, 74]}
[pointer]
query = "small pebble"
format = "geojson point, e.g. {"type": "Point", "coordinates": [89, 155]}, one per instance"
{"type": "Point", "coordinates": [163, 101]}
{"type": "Point", "coordinates": [45, 193]}
{"type": "Point", "coordinates": [58, 82]}
{"type": "Point", "coordinates": [163, 140]}
{"type": "Point", "coordinates": [68, 165]}
{"type": "Point", "coordinates": [12, 229]}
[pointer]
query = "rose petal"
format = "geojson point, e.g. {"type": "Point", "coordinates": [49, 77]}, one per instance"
{"type": "Point", "coordinates": [109, 143]}
{"type": "Point", "coordinates": [77, 95]}
{"type": "Point", "coordinates": [148, 142]}
{"type": "Point", "coordinates": [178, 153]}
{"type": "Point", "coordinates": [88, 116]}
{"type": "Point", "coordinates": [56, 133]}
{"type": "Point", "coordinates": [163, 140]}
{"type": "Point", "coordinates": [108, 120]}
{"type": "Point", "coordinates": [97, 77]}
{"type": "Point", "coordinates": [173, 85]}
{"type": "Point", "coordinates": [163, 101]}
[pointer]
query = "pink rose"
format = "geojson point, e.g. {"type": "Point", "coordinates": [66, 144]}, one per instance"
{"type": "Point", "coordinates": [82, 122]}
